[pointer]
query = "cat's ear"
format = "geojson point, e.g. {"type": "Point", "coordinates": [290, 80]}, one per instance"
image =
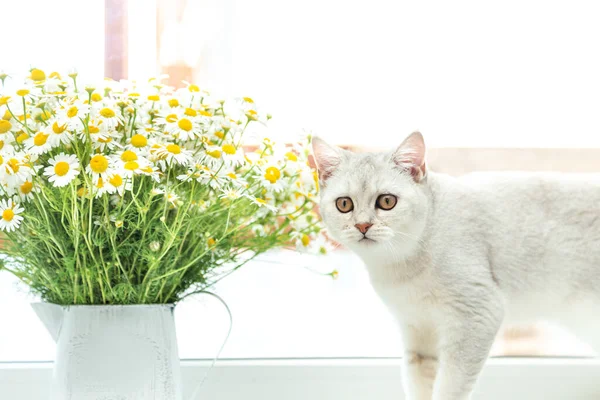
{"type": "Point", "coordinates": [410, 156]}
{"type": "Point", "coordinates": [327, 157]}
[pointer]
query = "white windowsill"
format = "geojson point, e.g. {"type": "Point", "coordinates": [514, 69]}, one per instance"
{"type": "Point", "coordinates": [348, 379]}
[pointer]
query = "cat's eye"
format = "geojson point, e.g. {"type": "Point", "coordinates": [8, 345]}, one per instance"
{"type": "Point", "coordinates": [386, 201]}
{"type": "Point", "coordinates": [344, 204]}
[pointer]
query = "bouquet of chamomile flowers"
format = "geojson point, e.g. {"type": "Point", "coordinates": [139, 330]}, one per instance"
{"type": "Point", "coordinates": [134, 193]}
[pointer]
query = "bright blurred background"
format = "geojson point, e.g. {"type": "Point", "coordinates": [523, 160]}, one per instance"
{"type": "Point", "coordinates": [466, 73]}
{"type": "Point", "coordinates": [469, 74]}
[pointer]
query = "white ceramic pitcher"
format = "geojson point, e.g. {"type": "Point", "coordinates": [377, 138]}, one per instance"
{"type": "Point", "coordinates": [113, 352]}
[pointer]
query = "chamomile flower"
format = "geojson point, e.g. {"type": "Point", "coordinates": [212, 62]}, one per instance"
{"type": "Point", "coordinates": [185, 128]}
{"type": "Point", "coordinates": [262, 203]}
{"type": "Point", "coordinates": [62, 170]}
{"type": "Point", "coordinates": [139, 141]}
{"type": "Point", "coordinates": [272, 179]}
{"type": "Point", "coordinates": [231, 194]}
{"type": "Point", "coordinates": [38, 143]}
{"type": "Point", "coordinates": [53, 83]}
{"type": "Point", "coordinates": [152, 172]}
{"type": "Point", "coordinates": [7, 143]}
{"type": "Point", "coordinates": [99, 188]}
{"type": "Point", "coordinates": [168, 121]}
{"type": "Point", "coordinates": [58, 133]}
{"type": "Point", "coordinates": [173, 199]}
{"type": "Point", "coordinates": [99, 167]}
{"type": "Point", "coordinates": [25, 191]}
{"type": "Point", "coordinates": [118, 183]}
{"type": "Point", "coordinates": [104, 140]}
{"type": "Point", "coordinates": [28, 93]}
{"type": "Point", "coordinates": [232, 156]}
{"type": "Point", "coordinates": [170, 153]}
{"type": "Point", "coordinates": [214, 156]}
{"type": "Point", "coordinates": [16, 169]}
{"type": "Point", "coordinates": [72, 113]}
{"type": "Point", "coordinates": [135, 167]}
{"type": "Point", "coordinates": [11, 219]}
{"type": "Point", "coordinates": [235, 179]}
{"type": "Point", "coordinates": [109, 116]}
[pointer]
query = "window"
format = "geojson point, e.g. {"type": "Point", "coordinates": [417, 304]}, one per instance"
{"type": "Point", "coordinates": [514, 88]}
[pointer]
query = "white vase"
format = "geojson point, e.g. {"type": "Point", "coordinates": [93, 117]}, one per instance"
{"type": "Point", "coordinates": [113, 352]}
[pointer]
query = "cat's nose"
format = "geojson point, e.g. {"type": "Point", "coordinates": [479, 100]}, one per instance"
{"type": "Point", "coordinates": [364, 227]}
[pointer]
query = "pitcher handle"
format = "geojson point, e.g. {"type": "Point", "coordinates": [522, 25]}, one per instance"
{"type": "Point", "coordinates": [199, 385]}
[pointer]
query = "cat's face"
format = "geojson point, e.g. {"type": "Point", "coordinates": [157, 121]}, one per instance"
{"type": "Point", "coordinates": [373, 202]}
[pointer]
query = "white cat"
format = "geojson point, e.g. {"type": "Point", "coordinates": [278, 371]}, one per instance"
{"type": "Point", "coordinates": [454, 258]}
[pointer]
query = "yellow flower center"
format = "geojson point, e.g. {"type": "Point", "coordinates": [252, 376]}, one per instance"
{"type": "Point", "coordinates": [173, 149]}
{"type": "Point", "coordinates": [211, 242]}
{"type": "Point", "coordinates": [228, 149]}
{"type": "Point", "coordinates": [1, 160]}
{"type": "Point", "coordinates": [13, 163]}
{"type": "Point", "coordinates": [55, 75]}
{"type": "Point", "coordinates": [44, 115]}
{"type": "Point", "coordinates": [116, 180]}
{"type": "Point", "coordinates": [93, 129]}
{"type": "Point", "coordinates": [220, 134]}
{"type": "Point", "coordinates": [98, 163]}
{"type": "Point", "coordinates": [232, 175]}
{"type": "Point", "coordinates": [248, 100]}
{"type": "Point", "coordinates": [38, 75]}
{"type": "Point", "coordinates": [305, 240]}
{"type": "Point", "coordinates": [291, 156]}
{"type": "Point", "coordinates": [40, 139]}
{"type": "Point", "coordinates": [81, 192]}
{"type": "Point", "coordinates": [107, 112]}
{"type": "Point", "coordinates": [139, 140]}
{"type": "Point", "coordinates": [22, 137]}
{"type": "Point", "coordinates": [134, 94]}
{"type": "Point", "coordinates": [58, 129]}
{"type": "Point", "coordinates": [261, 201]}
{"type": "Point", "coordinates": [154, 97]}
{"type": "Point", "coordinates": [205, 113]}
{"type": "Point", "coordinates": [4, 100]}
{"type": "Point", "coordinates": [96, 97]}
{"type": "Point", "coordinates": [190, 112]}
{"type": "Point", "coordinates": [1, 144]}
{"type": "Point", "coordinates": [22, 92]}
{"type": "Point", "coordinates": [193, 88]}
{"type": "Point", "coordinates": [8, 214]}
{"type": "Point", "coordinates": [185, 124]}
{"type": "Point", "coordinates": [71, 112]}
{"type": "Point", "coordinates": [214, 153]}
{"type": "Point", "coordinates": [7, 116]}
{"type": "Point", "coordinates": [272, 174]}
{"type": "Point", "coordinates": [26, 187]}
{"type": "Point", "coordinates": [173, 103]}
{"type": "Point", "coordinates": [61, 168]}
{"type": "Point", "coordinates": [100, 183]}
{"type": "Point", "coordinates": [131, 165]}
{"type": "Point", "coordinates": [105, 140]}
{"type": "Point", "coordinates": [128, 155]}
{"type": "Point", "coordinates": [5, 126]}
{"type": "Point", "coordinates": [171, 118]}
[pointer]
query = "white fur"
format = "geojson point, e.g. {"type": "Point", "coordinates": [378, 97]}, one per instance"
{"type": "Point", "coordinates": [457, 257]}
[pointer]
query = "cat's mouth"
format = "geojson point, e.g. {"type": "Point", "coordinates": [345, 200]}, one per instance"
{"type": "Point", "coordinates": [366, 240]}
